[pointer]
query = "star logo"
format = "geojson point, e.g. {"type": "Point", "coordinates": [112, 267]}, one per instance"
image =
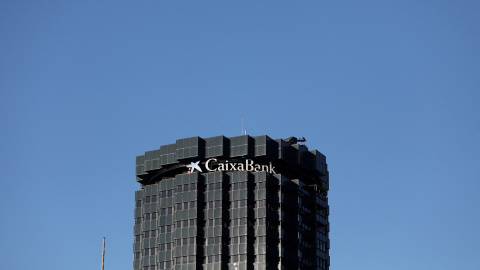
{"type": "Point", "coordinates": [193, 166]}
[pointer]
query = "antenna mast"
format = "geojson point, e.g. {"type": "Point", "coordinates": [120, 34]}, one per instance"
{"type": "Point", "coordinates": [242, 124]}
{"type": "Point", "coordinates": [103, 253]}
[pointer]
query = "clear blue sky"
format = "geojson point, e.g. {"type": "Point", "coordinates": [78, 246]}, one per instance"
{"type": "Point", "coordinates": [389, 91]}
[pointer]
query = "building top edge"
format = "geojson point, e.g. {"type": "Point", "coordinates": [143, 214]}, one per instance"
{"type": "Point", "coordinates": [261, 147]}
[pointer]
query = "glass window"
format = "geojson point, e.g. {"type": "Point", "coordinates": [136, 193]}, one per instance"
{"type": "Point", "coordinates": [192, 204]}
{"type": "Point", "coordinates": [261, 185]}
{"type": "Point", "coordinates": [185, 205]}
{"type": "Point", "coordinates": [138, 203]}
{"type": "Point", "coordinates": [179, 206]}
{"type": "Point", "coordinates": [179, 188]}
{"type": "Point", "coordinates": [243, 203]}
{"type": "Point", "coordinates": [154, 198]}
{"type": "Point", "coordinates": [147, 199]}
{"type": "Point", "coordinates": [185, 223]}
{"type": "Point", "coordinates": [154, 216]}
{"type": "Point", "coordinates": [193, 186]}
{"type": "Point", "coordinates": [186, 187]}
{"type": "Point", "coordinates": [192, 222]}
{"type": "Point", "coordinates": [137, 256]}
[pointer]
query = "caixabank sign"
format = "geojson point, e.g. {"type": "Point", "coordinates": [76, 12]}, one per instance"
{"type": "Point", "coordinates": [244, 165]}
{"type": "Point", "coordinates": [208, 166]}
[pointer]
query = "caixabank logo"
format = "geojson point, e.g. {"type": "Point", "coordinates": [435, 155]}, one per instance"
{"type": "Point", "coordinates": [215, 165]}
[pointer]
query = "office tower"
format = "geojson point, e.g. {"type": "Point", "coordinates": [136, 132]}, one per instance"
{"type": "Point", "coordinates": [235, 203]}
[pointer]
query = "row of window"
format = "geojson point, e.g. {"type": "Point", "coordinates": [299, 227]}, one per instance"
{"type": "Point", "coordinates": [238, 258]}
{"type": "Point", "coordinates": [238, 221]}
{"type": "Point", "coordinates": [192, 222]}
{"type": "Point", "coordinates": [213, 240]}
{"type": "Point", "coordinates": [241, 185]}
{"type": "Point", "coordinates": [233, 240]}
{"type": "Point", "coordinates": [165, 229]}
{"type": "Point", "coordinates": [149, 234]}
{"type": "Point", "coordinates": [165, 246]}
{"type": "Point", "coordinates": [166, 193]}
{"type": "Point", "coordinates": [213, 204]}
{"type": "Point", "coordinates": [185, 259]}
{"type": "Point", "coordinates": [184, 241]}
{"type": "Point", "coordinates": [149, 251]}
{"type": "Point", "coordinates": [185, 205]}
{"type": "Point", "coordinates": [186, 187]}
{"type": "Point", "coordinates": [193, 204]}
{"type": "Point", "coordinates": [185, 223]}
{"type": "Point", "coordinates": [191, 240]}
{"type": "Point", "coordinates": [238, 204]}
{"type": "Point", "coordinates": [164, 265]}
{"type": "Point", "coordinates": [213, 222]}
{"type": "Point", "coordinates": [213, 186]}
{"type": "Point", "coordinates": [151, 216]}
{"type": "Point", "coordinates": [238, 240]}
{"type": "Point", "coordinates": [192, 186]}
{"type": "Point", "coordinates": [146, 199]}
{"type": "Point", "coordinates": [211, 259]}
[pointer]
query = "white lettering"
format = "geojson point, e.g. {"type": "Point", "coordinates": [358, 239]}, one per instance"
{"type": "Point", "coordinates": [207, 164]}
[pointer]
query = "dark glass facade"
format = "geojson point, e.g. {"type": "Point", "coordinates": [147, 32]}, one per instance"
{"type": "Point", "coordinates": [231, 203]}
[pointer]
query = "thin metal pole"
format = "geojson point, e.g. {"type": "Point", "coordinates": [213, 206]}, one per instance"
{"type": "Point", "coordinates": [103, 253]}
{"type": "Point", "coordinates": [242, 124]}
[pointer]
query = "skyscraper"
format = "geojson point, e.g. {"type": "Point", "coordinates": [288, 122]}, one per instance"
{"type": "Point", "coordinates": [231, 203]}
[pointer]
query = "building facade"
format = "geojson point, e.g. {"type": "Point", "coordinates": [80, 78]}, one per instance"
{"type": "Point", "coordinates": [235, 203]}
